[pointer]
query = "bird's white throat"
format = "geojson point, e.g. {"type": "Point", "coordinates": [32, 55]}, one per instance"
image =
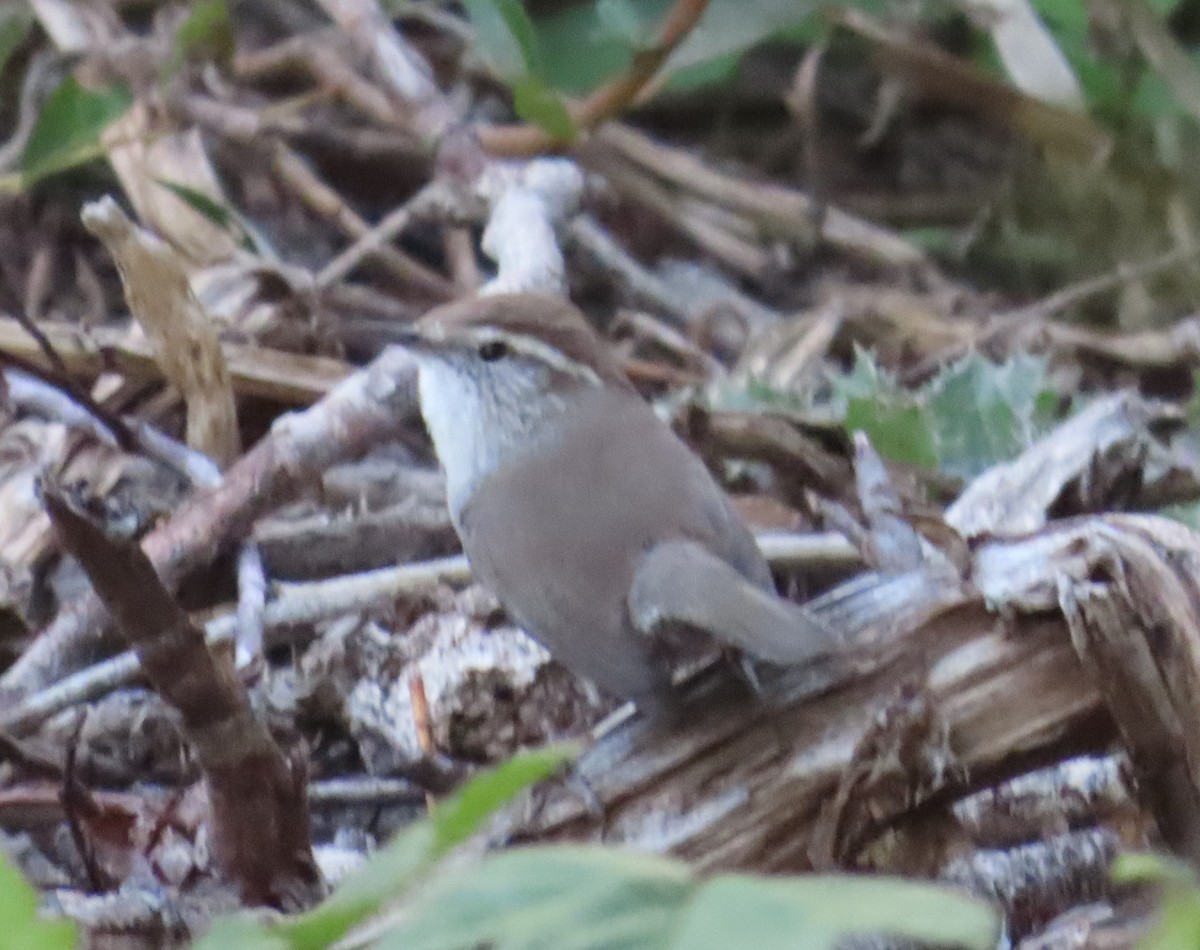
{"type": "Point", "coordinates": [479, 420]}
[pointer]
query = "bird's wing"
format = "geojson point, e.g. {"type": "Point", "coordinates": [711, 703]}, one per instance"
{"type": "Point", "coordinates": [681, 583]}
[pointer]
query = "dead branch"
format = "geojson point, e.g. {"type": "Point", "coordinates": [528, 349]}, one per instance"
{"type": "Point", "coordinates": [259, 810]}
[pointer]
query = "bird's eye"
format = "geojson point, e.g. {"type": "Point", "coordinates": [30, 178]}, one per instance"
{"type": "Point", "coordinates": [493, 350]}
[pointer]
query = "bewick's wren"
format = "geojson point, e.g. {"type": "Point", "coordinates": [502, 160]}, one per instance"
{"type": "Point", "coordinates": [601, 533]}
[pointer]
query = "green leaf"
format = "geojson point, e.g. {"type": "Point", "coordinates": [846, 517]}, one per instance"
{"type": "Point", "coordinates": [901, 433]}
{"type": "Point", "coordinates": [984, 413]}
{"type": "Point", "coordinates": [395, 867]}
{"type": "Point", "coordinates": [586, 44]}
{"type": "Point", "coordinates": [730, 26]}
{"type": "Point", "coordinates": [23, 929]}
{"type": "Point", "coordinates": [535, 102]}
{"type": "Point", "coordinates": [733, 911]}
{"type": "Point", "coordinates": [219, 214]}
{"type": "Point", "coordinates": [460, 816]}
{"type": "Point", "coordinates": [67, 132]}
{"type": "Point", "coordinates": [15, 22]}
{"type": "Point", "coordinates": [578, 51]}
{"type": "Point", "coordinates": [239, 933]}
{"type": "Point", "coordinates": [892, 418]}
{"type": "Point", "coordinates": [625, 21]}
{"type": "Point", "coordinates": [508, 42]}
{"type": "Point", "coordinates": [818, 912]}
{"type": "Point", "coordinates": [1164, 54]}
{"type": "Point", "coordinates": [17, 899]}
{"type": "Point", "coordinates": [1143, 867]}
{"type": "Point", "coordinates": [206, 35]}
{"type": "Point", "coordinates": [1102, 83]}
{"type": "Point", "coordinates": [712, 73]}
{"type": "Point", "coordinates": [201, 203]}
{"type": "Point", "coordinates": [973, 414]}
{"type": "Point", "coordinates": [1067, 20]}
{"type": "Point", "coordinates": [384, 876]}
{"type": "Point", "coordinates": [1102, 77]}
{"type": "Point", "coordinates": [568, 898]}
{"type": "Point", "coordinates": [505, 37]}
{"type": "Point", "coordinates": [1152, 97]}
{"type": "Point", "coordinates": [1178, 926]}
{"type": "Point", "coordinates": [1178, 923]}
{"type": "Point", "coordinates": [578, 898]}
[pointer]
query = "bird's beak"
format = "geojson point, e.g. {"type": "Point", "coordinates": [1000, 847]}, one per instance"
{"type": "Point", "coordinates": [424, 340]}
{"type": "Point", "coordinates": [411, 339]}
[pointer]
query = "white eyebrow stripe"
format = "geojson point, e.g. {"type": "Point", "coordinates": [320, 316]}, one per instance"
{"type": "Point", "coordinates": [543, 352]}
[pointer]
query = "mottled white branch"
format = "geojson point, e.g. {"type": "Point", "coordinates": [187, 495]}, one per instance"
{"type": "Point", "coordinates": [528, 204]}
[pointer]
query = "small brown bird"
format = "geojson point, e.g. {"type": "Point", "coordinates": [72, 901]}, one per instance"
{"type": "Point", "coordinates": [601, 533]}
